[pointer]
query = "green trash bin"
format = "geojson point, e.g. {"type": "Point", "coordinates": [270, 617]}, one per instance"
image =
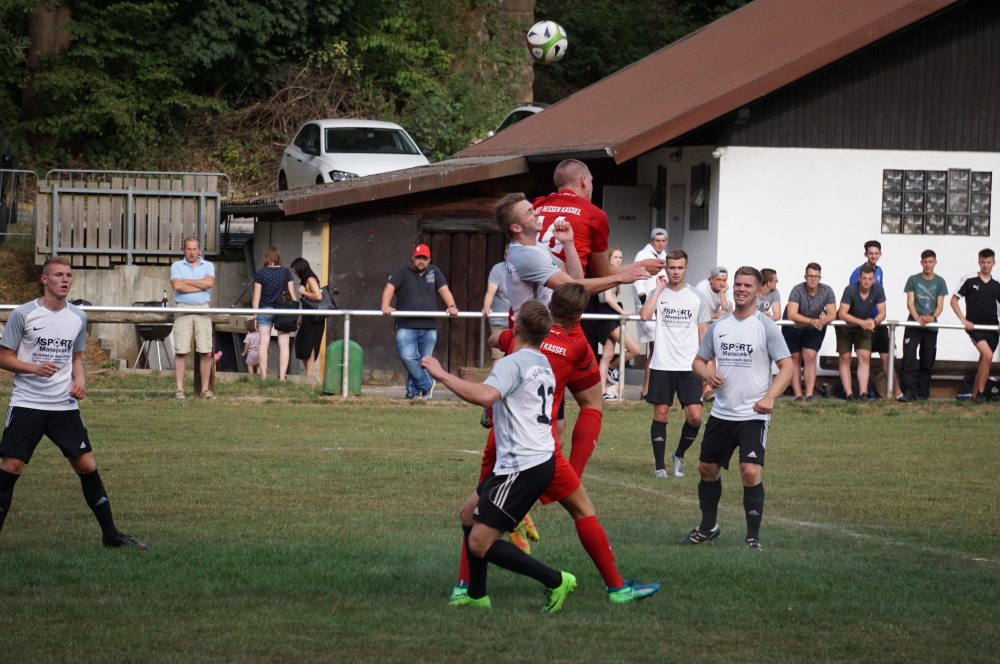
{"type": "Point", "coordinates": [333, 381]}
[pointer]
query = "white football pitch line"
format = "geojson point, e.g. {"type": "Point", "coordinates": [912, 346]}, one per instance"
{"type": "Point", "coordinates": [831, 527]}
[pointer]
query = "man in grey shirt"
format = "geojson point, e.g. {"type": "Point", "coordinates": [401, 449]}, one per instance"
{"type": "Point", "coordinates": [743, 344]}
{"type": "Point", "coordinates": [862, 307]}
{"type": "Point", "coordinates": [496, 304]}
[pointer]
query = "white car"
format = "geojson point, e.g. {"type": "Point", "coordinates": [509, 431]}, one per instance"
{"type": "Point", "coordinates": [336, 150]}
{"type": "Point", "coordinates": [518, 114]}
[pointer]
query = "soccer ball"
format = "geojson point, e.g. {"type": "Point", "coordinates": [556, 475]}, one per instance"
{"type": "Point", "coordinates": [546, 42]}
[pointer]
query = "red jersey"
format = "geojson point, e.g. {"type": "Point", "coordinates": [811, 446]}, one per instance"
{"type": "Point", "coordinates": [589, 223]}
{"type": "Point", "coordinates": [571, 358]}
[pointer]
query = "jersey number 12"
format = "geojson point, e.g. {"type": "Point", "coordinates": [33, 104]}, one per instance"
{"type": "Point", "coordinates": [544, 417]}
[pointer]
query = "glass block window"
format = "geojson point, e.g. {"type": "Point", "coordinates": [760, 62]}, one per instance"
{"type": "Point", "coordinates": [953, 202]}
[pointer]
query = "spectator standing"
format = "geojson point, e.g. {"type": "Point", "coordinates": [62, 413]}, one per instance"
{"type": "Point", "coordinates": [268, 285]}
{"type": "Point", "coordinates": [309, 337]}
{"type": "Point", "coordinates": [496, 304]}
{"type": "Point", "coordinates": [720, 302]}
{"type": "Point", "coordinates": [656, 249]}
{"type": "Point", "coordinates": [811, 306]}
{"type": "Point", "coordinates": [856, 306]}
{"type": "Point", "coordinates": [416, 286]}
{"type": "Point", "coordinates": [251, 347]}
{"type": "Point", "coordinates": [192, 279]}
{"type": "Point", "coordinates": [880, 336]}
{"type": "Point", "coordinates": [609, 331]}
{"type": "Point", "coordinates": [982, 295]}
{"type": "Point", "coordinates": [768, 297]}
{"type": "Point", "coordinates": [925, 293]}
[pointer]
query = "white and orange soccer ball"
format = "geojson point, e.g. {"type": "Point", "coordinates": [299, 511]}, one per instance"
{"type": "Point", "coordinates": [546, 42]}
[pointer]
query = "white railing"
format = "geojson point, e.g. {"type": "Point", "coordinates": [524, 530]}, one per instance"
{"type": "Point", "coordinates": [347, 314]}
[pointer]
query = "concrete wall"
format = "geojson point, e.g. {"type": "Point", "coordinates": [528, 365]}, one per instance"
{"type": "Point", "coordinates": [783, 208]}
{"type": "Point", "coordinates": [127, 284]}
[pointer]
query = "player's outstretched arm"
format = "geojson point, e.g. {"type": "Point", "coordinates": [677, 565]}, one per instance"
{"type": "Point", "coordinates": [600, 265]}
{"type": "Point", "coordinates": [9, 361]}
{"type": "Point", "coordinates": [475, 393]}
{"type": "Point", "coordinates": [595, 286]}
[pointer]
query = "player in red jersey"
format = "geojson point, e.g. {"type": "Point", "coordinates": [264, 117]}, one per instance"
{"type": "Point", "coordinates": [573, 365]}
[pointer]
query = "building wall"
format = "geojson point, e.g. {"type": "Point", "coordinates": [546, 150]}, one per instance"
{"type": "Point", "coordinates": [293, 239]}
{"type": "Point", "coordinates": [784, 207]}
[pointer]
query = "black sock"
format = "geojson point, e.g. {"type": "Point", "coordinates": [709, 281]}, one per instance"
{"type": "Point", "coordinates": [97, 498]}
{"type": "Point", "coordinates": [658, 434]}
{"type": "Point", "coordinates": [709, 495]}
{"type": "Point", "coordinates": [753, 505]}
{"type": "Point", "coordinates": [688, 434]}
{"type": "Point", "coordinates": [506, 555]}
{"type": "Point", "coordinates": [6, 493]}
{"type": "Point", "coordinates": [477, 571]}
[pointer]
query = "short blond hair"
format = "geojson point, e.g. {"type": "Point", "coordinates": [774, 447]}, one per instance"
{"type": "Point", "coordinates": [533, 323]}
{"type": "Point", "coordinates": [55, 260]}
{"type": "Point", "coordinates": [504, 214]}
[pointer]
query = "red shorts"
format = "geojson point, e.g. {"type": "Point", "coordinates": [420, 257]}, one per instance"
{"type": "Point", "coordinates": [564, 482]}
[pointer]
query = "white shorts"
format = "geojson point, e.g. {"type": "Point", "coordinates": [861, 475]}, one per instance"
{"type": "Point", "coordinates": [647, 331]}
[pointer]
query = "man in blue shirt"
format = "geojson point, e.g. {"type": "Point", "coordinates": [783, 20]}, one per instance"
{"type": "Point", "coordinates": [880, 338]}
{"type": "Point", "coordinates": [192, 279]}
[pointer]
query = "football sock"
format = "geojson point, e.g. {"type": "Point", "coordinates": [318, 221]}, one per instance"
{"type": "Point", "coordinates": [595, 542]}
{"type": "Point", "coordinates": [506, 555]}
{"type": "Point", "coordinates": [463, 559]}
{"type": "Point", "coordinates": [586, 431]}
{"type": "Point", "coordinates": [753, 505]}
{"type": "Point", "coordinates": [6, 493]}
{"type": "Point", "coordinates": [688, 434]}
{"type": "Point", "coordinates": [658, 434]}
{"type": "Point", "coordinates": [97, 498]}
{"type": "Point", "coordinates": [477, 573]}
{"type": "Point", "coordinates": [709, 495]}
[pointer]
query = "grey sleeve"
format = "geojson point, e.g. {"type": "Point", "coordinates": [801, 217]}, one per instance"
{"type": "Point", "coordinates": [80, 344]}
{"type": "Point", "coordinates": [879, 294]}
{"type": "Point", "coordinates": [497, 275]}
{"type": "Point", "coordinates": [704, 310]}
{"type": "Point", "coordinates": [831, 297]}
{"type": "Point", "coordinates": [706, 350]}
{"type": "Point", "coordinates": [776, 346]}
{"type": "Point", "coordinates": [14, 331]}
{"type": "Point", "coordinates": [531, 266]}
{"type": "Point", "coordinates": [505, 377]}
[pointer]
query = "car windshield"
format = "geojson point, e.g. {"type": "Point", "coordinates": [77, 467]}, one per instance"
{"type": "Point", "coordinates": [367, 140]}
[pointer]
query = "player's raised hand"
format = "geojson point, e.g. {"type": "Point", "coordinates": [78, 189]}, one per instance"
{"type": "Point", "coordinates": [46, 370]}
{"type": "Point", "coordinates": [651, 265]}
{"type": "Point", "coordinates": [562, 231]}
{"type": "Point", "coordinates": [432, 366]}
{"type": "Point", "coordinates": [661, 281]}
{"type": "Point", "coordinates": [764, 406]}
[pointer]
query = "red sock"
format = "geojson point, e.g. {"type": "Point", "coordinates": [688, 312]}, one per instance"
{"type": "Point", "coordinates": [586, 431]}
{"type": "Point", "coordinates": [595, 542]}
{"type": "Point", "coordinates": [463, 562]}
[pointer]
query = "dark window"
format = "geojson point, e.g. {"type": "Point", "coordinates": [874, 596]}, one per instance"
{"type": "Point", "coordinates": [701, 181]}
{"type": "Point", "coordinates": [513, 119]}
{"type": "Point", "coordinates": [308, 136]}
{"type": "Point", "coordinates": [952, 202]}
{"type": "Point", "coordinates": [354, 140]}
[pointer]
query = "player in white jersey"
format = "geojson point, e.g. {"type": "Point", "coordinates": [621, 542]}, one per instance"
{"type": "Point", "coordinates": [743, 343]}
{"type": "Point", "coordinates": [532, 271]}
{"type": "Point", "coordinates": [43, 344]}
{"type": "Point", "coordinates": [681, 315]}
{"type": "Point", "coordinates": [520, 389]}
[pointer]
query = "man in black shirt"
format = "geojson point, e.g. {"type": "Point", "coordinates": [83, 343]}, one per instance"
{"type": "Point", "coordinates": [981, 293]}
{"type": "Point", "coordinates": [416, 286]}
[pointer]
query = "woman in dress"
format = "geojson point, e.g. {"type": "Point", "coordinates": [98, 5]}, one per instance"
{"type": "Point", "coordinates": [309, 337]}
{"type": "Point", "coordinates": [269, 284]}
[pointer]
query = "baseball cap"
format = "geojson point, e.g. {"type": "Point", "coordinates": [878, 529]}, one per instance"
{"type": "Point", "coordinates": [422, 250]}
{"type": "Point", "coordinates": [716, 271]}
{"type": "Point", "coordinates": [657, 232]}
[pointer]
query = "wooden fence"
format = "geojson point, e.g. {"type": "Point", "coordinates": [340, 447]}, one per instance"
{"type": "Point", "coordinates": [126, 220]}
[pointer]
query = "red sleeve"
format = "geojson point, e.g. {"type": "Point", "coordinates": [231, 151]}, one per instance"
{"type": "Point", "coordinates": [599, 230]}
{"type": "Point", "coordinates": [506, 341]}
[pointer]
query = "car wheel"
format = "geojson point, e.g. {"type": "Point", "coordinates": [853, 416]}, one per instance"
{"type": "Point", "coordinates": [319, 179]}
{"type": "Point", "coordinates": [282, 181]}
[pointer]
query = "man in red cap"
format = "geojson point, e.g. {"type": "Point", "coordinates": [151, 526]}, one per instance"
{"type": "Point", "coordinates": [416, 286]}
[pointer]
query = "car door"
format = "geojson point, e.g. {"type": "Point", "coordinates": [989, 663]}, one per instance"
{"type": "Point", "coordinates": [298, 164]}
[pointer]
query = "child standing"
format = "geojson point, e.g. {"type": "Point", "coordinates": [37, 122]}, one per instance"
{"type": "Point", "coordinates": [251, 344]}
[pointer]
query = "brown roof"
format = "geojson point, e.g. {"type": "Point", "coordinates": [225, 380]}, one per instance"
{"type": "Point", "coordinates": [448, 173]}
{"type": "Point", "coordinates": [741, 57]}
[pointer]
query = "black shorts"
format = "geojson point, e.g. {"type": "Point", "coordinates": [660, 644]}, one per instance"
{"type": "Point", "coordinates": [505, 499]}
{"type": "Point", "coordinates": [26, 426]}
{"type": "Point", "coordinates": [880, 339]}
{"type": "Point", "coordinates": [663, 385]}
{"type": "Point", "coordinates": [992, 339]}
{"type": "Point", "coordinates": [724, 436]}
{"type": "Point", "coordinates": [797, 338]}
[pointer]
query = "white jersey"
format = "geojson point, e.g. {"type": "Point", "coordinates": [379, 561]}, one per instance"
{"type": "Point", "coordinates": [522, 423]}
{"type": "Point", "coordinates": [743, 352]}
{"type": "Point", "coordinates": [38, 335]}
{"type": "Point", "coordinates": [678, 315]}
{"type": "Point", "coordinates": [715, 299]}
{"type": "Point", "coordinates": [528, 268]}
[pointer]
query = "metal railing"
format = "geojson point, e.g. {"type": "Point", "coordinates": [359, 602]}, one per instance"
{"type": "Point", "coordinates": [85, 175]}
{"type": "Point", "coordinates": [347, 314]}
{"type": "Point", "coordinates": [15, 199]}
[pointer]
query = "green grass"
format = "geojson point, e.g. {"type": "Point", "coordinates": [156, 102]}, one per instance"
{"type": "Point", "coordinates": [288, 527]}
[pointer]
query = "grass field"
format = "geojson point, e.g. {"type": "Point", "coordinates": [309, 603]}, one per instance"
{"type": "Point", "coordinates": [287, 527]}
